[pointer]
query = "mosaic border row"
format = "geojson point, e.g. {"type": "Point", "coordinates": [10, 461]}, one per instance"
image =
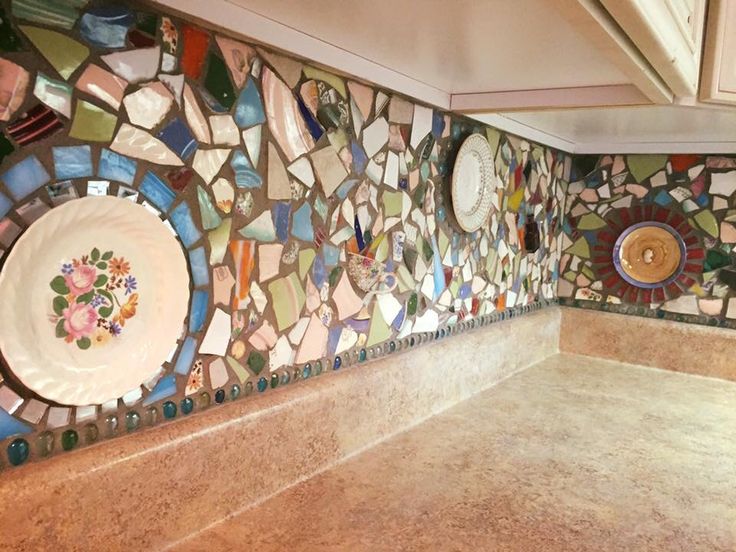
{"type": "Point", "coordinates": [19, 449]}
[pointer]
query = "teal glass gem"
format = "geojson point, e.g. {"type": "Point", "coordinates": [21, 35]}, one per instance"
{"type": "Point", "coordinates": [307, 371]}
{"type": "Point", "coordinates": [132, 420]}
{"type": "Point", "coordinates": [220, 396]}
{"type": "Point", "coordinates": [69, 439]}
{"type": "Point", "coordinates": [235, 391]}
{"type": "Point", "coordinates": [18, 451]}
{"type": "Point", "coordinates": [318, 367]}
{"type": "Point", "coordinates": [285, 378]}
{"type": "Point", "coordinates": [169, 409]}
{"type": "Point", "coordinates": [274, 381]}
{"type": "Point", "coordinates": [362, 355]}
{"type": "Point", "coordinates": [187, 405]}
{"type": "Point", "coordinates": [262, 385]}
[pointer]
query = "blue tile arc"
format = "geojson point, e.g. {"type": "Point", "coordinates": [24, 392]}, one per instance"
{"type": "Point", "coordinates": [25, 177]}
{"type": "Point", "coordinates": [157, 192]}
{"type": "Point", "coordinates": [181, 220]}
{"type": "Point", "coordinates": [119, 168]}
{"type": "Point", "coordinates": [72, 162]}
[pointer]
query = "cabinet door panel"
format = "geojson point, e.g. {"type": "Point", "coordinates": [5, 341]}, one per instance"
{"type": "Point", "coordinates": [719, 56]}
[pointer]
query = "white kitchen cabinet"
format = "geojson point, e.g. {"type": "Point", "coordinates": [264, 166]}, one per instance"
{"type": "Point", "coordinates": [668, 33]}
{"type": "Point", "coordinates": [719, 57]}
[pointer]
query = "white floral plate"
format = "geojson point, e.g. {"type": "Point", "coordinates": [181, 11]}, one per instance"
{"type": "Point", "coordinates": [473, 183]}
{"type": "Point", "coordinates": [95, 294]}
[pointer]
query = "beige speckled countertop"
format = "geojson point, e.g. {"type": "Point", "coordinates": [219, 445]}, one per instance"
{"type": "Point", "coordinates": [572, 454]}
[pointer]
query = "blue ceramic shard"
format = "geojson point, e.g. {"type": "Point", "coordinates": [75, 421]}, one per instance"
{"type": "Point", "coordinates": [249, 107]}
{"type": "Point", "coordinates": [25, 177]}
{"type": "Point", "coordinates": [10, 426]}
{"type": "Point", "coordinates": [399, 320]}
{"type": "Point", "coordinates": [439, 273]}
{"type": "Point", "coordinates": [157, 192]}
{"type": "Point", "coordinates": [5, 205]}
{"type": "Point", "coordinates": [199, 267]}
{"type": "Point", "coordinates": [663, 199]}
{"type": "Point", "coordinates": [333, 338]}
{"type": "Point", "coordinates": [106, 26]}
{"type": "Point", "coordinates": [331, 254]}
{"type": "Point", "coordinates": [344, 189]}
{"type": "Point", "coordinates": [186, 356]}
{"type": "Point", "coordinates": [210, 218]}
{"type": "Point", "coordinates": [72, 162]}
{"type": "Point", "coordinates": [438, 125]}
{"type": "Point", "coordinates": [319, 274]}
{"type": "Point", "coordinates": [198, 310]}
{"type": "Point", "coordinates": [465, 291]}
{"type": "Point", "coordinates": [358, 234]}
{"type": "Point", "coordinates": [360, 159]}
{"type": "Point", "coordinates": [245, 175]}
{"type": "Point", "coordinates": [165, 387]}
{"type": "Point", "coordinates": [114, 166]}
{"type": "Point", "coordinates": [301, 224]}
{"type": "Point", "coordinates": [179, 138]}
{"type": "Point", "coordinates": [181, 219]}
{"type": "Point", "coordinates": [315, 129]}
{"type": "Point", "coordinates": [280, 215]}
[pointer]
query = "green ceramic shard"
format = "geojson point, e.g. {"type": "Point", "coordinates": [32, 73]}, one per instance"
{"type": "Point", "coordinates": [210, 218]}
{"type": "Point", "coordinates": [92, 124]}
{"type": "Point", "coordinates": [217, 82]}
{"type": "Point", "coordinates": [54, 13]}
{"type": "Point", "coordinates": [644, 166]}
{"type": "Point", "coordinates": [9, 40]}
{"type": "Point", "coordinates": [379, 330]}
{"type": "Point", "coordinates": [63, 53]}
{"type": "Point", "coordinates": [306, 258]}
{"type": "Point", "coordinates": [590, 221]}
{"type": "Point", "coordinates": [707, 221]}
{"type": "Point", "coordinates": [579, 248]}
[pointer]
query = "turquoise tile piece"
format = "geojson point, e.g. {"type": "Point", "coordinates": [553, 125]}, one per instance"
{"type": "Point", "coordinates": [11, 426]}
{"type": "Point", "coordinates": [25, 177]}
{"type": "Point", "coordinates": [106, 26]}
{"type": "Point", "coordinates": [198, 311]}
{"type": "Point", "coordinates": [157, 192]}
{"type": "Point", "coordinates": [301, 223]}
{"type": "Point", "coordinates": [249, 107]}
{"type": "Point", "coordinates": [5, 205]}
{"type": "Point", "coordinates": [199, 267]}
{"type": "Point", "coordinates": [186, 356]}
{"type": "Point", "coordinates": [165, 387]}
{"type": "Point", "coordinates": [119, 168]}
{"type": "Point", "coordinates": [181, 219]}
{"type": "Point", "coordinates": [210, 218]}
{"type": "Point", "coordinates": [72, 162]}
{"type": "Point", "coordinates": [245, 175]}
{"type": "Point", "coordinates": [439, 273]}
{"type": "Point", "coordinates": [331, 254]}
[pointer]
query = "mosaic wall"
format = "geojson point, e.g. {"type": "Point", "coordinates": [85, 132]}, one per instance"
{"type": "Point", "coordinates": [313, 210]}
{"type": "Point", "coordinates": [692, 194]}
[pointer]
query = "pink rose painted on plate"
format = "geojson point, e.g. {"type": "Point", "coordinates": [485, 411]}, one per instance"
{"type": "Point", "coordinates": [95, 295]}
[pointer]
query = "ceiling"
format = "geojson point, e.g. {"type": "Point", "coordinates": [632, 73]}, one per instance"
{"type": "Point", "coordinates": [432, 49]}
{"type": "Point", "coordinates": [480, 46]}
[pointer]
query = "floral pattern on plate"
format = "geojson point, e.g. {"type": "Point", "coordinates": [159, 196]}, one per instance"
{"type": "Point", "coordinates": [96, 294]}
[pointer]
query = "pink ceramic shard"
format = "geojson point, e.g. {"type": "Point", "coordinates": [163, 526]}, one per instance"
{"type": "Point", "coordinates": [135, 65]}
{"type": "Point", "coordinates": [345, 298]}
{"type": "Point", "coordinates": [284, 119]}
{"type": "Point", "coordinates": [363, 97]}
{"type": "Point", "coordinates": [13, 86]}
{"type": "Point", "coordinates": [314, 342]}
{"type": "Point", "coordinates": [103, 85]}
{"type": "Point", "coordinates": [238, 58]}
{"type": "Point", "coordinates": [269, 261]}
{"type": "Point", "coordinates": [264, 337]}
{"type": "Point", "coordinates": [195, 117]}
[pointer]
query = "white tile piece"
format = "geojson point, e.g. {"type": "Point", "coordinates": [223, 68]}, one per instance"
{"type": "Point", "coordinates": [218, 334]}
{"type": "Point", "coordinates": [421, 126]}
{"type": "Point", "coordinates": [375, 136]}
